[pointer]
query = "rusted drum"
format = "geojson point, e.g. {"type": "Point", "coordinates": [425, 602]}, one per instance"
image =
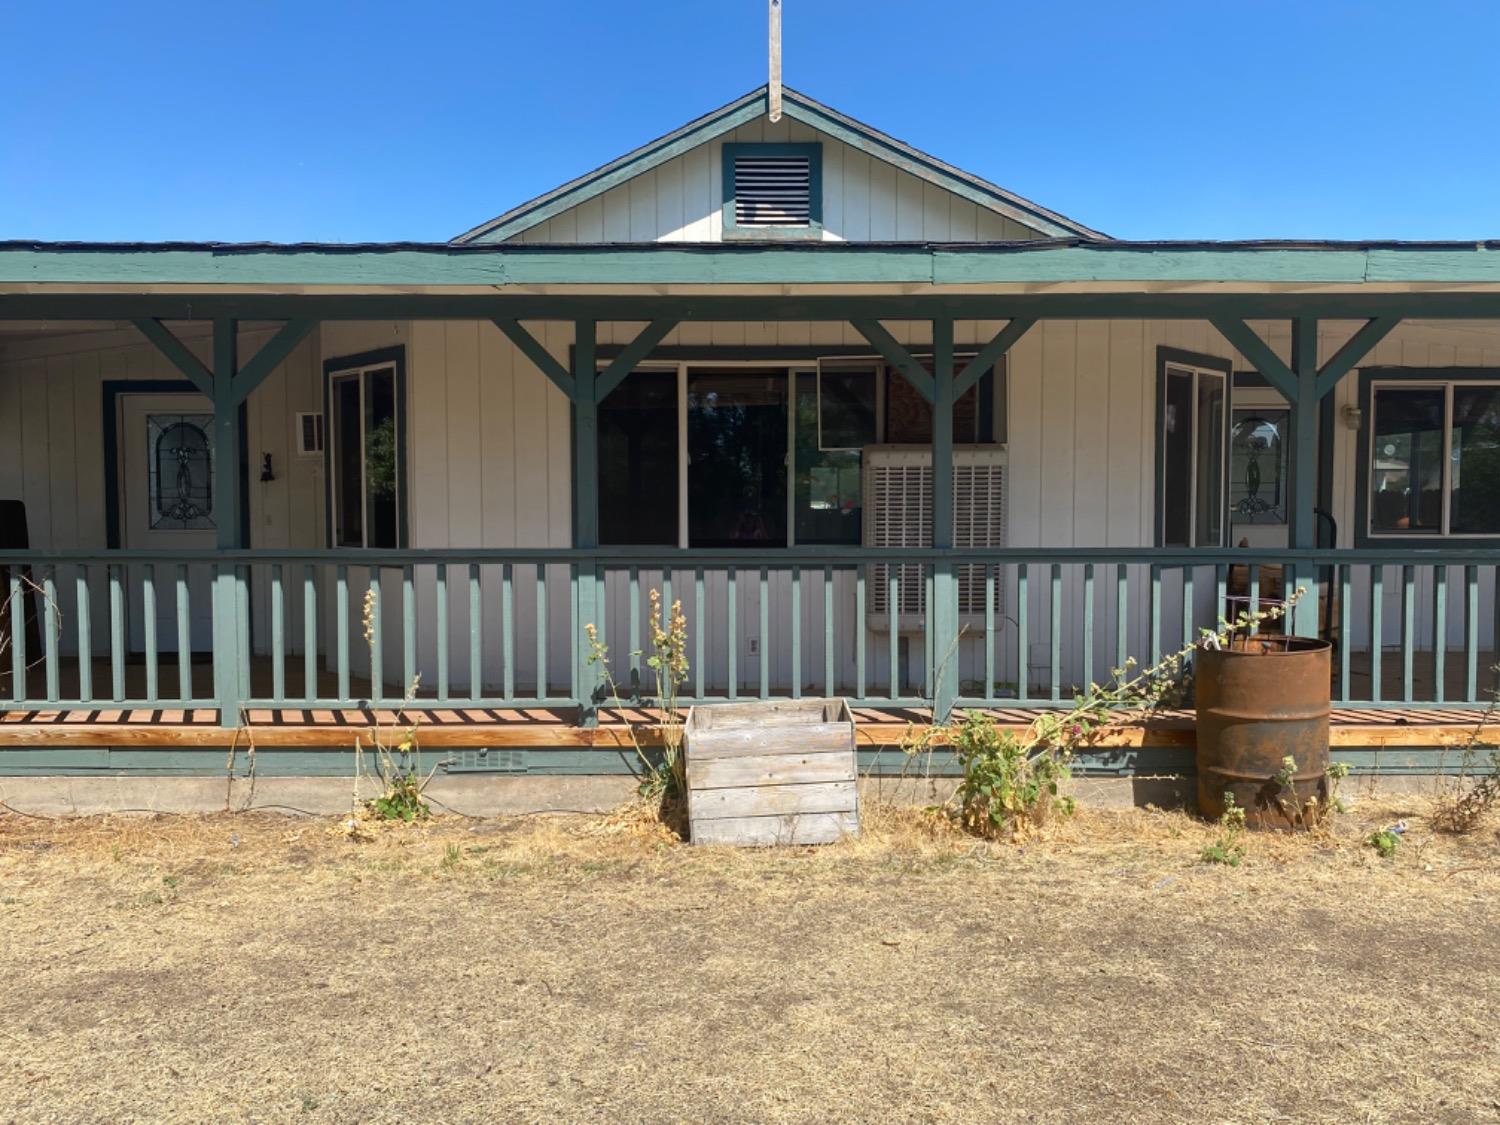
{"type": "Point", "coordinates": [1260, 700]}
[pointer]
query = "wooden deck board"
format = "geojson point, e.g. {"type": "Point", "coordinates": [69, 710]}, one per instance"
{"type": "Point", "coordinates": [554, 727]}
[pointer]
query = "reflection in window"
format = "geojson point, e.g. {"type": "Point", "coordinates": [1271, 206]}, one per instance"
{"type": "Point", "coordinates": [1407, 476]}
{"type": "Point", "coordinates": [181, 471]}
{"type": "Point", "coordinates": [1475, 458]}
{"type": "Point", "coordinates": [638, 461]}
{"type": "Point", "coordinates": [737, 450]}
{"type": "Point", "coordinates": [366, 458]}
{"type": "Point", "coordinates": [828, 479]}
{"type": "Point", "coordinates": [1191, 488]}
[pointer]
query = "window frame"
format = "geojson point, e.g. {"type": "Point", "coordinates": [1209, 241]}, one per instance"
{"type": "Point", "coordinates": [1199, 364]}
{"type": "Point", "coordinates": [993, 392]}
{"type": "Point", "coordinates": [813, 150]}
{"type": "Point", "coordinates": [1449, 379]}
{"type": "Point", "coordinates": [361, 366]}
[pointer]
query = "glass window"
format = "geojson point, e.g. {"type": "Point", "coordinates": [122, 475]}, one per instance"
{"type": "Point", "coordinates": [737, 453]}
{"type": "Point", "coordinates": [638, 461]}
{"type": "Point", "coordinates": [1257, 465]}
{"type": "Point", "coordinates": [1192, 426]}
{"type": "Point", "coordinates": [366, 457]}
{"type": "Point", "coordinates": [828, 480]}
{"type": "Point", "coordinates": [1435, 459]}
{"type": "Point", "coordinates": [1476, 461]}
{"type": "Point", "coordinates": [181, 471]}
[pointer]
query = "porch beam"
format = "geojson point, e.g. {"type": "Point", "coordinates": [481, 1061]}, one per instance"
{"type": "Point", "coordinates": [896, 355]}
{"type": "Point", "coordinates": [176, 352]}
{"type": "Point", "coordinates": [632, 354]}
{"type": "Point", "coordinates": [533, 350]}
{"type": "Point", "coordinates": [1248, 343]}
{"type": "Point", "coordinates": [228, 643]}
{"type": "Point", "coordinates": [991, 354]}
{"type": "Point", "coordinates": [271, 354]}
{"type": "Point", "coordinates": [1359, 345]}
{"type": "Point", "coordinates": [585, 416]}
{"type": "Point", "coordinates": [1304, 418]}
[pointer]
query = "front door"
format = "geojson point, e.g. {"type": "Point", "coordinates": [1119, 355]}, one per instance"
{"type": "Point", "coordinates": [168, 504]}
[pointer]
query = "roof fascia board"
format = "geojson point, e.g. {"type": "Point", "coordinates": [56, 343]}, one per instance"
{"type": "Point", "coordinates": [872, 141]}
{"type": "Point", "coordinates": [651, 155]}
{"type": "Point", "coordinates": [827, 263]}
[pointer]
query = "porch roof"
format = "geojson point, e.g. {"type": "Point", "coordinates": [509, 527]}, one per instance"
{"type": "Point", "coordinates": [750, 280]}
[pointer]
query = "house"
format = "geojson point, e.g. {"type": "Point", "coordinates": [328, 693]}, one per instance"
{"type": "Point", "coordinates": [274, 485]}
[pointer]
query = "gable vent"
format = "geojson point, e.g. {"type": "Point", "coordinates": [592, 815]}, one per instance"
{"type": "Point", "coordinates": [772, 191]}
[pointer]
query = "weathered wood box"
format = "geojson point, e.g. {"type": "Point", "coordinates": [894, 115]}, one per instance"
{"type": "Point", "coordinates": [779, 772]}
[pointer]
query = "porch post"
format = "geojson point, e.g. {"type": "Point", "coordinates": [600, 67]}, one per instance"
{"type": "Point", "coordinates": [585, 509]}
{"type": "Point", "coordinates": [1304, 419]}
{"type": "Point", "coordinates": [229, 675]}
{"type": "Point", "coordinates": [942, 613]}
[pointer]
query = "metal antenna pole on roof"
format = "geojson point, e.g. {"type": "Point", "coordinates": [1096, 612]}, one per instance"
{"type": "Point", "coordinates": [775, 86]}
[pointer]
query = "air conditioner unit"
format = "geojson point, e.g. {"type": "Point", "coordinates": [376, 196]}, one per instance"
{"type": "Point", "coordinates": [897, 504]}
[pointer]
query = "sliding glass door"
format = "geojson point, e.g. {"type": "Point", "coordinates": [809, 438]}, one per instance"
{"type": "Point", "coordinates": [737, 457]}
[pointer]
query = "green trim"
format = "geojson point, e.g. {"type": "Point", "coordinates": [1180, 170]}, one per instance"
{"type": "Point", "coordinates": [177, 353]}
{"type": "Point", "coordinates": [1245, 340]}
{"type": "Point", "coordinates": [109, 392]}
{"type": "Point", "coordinates": [813, 150]}
{"type": "Point", "coordinates": [1165, 356]}
{"type": "Point", "coordinates": [896, 354]}
{"type": "Point", "coordinates": [533, 349]}
{"type": "Point", "coordinates": [1363, 540]}
{"type": "Point", "coordinates": [735, 263]}
{"type": "Point", "coordinates": [396, 354]}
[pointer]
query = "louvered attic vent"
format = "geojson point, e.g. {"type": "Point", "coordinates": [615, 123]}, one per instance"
{"type": "Point", "coordinates": [772, 191]}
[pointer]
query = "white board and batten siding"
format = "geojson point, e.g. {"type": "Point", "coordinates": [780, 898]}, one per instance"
{"type": "Point", "coordinates": [865, 199]}
{"type": "Point", "coordinates": [52, 449]}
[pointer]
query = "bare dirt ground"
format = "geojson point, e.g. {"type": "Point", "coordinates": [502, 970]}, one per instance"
{"type": "Point", "coordinates": [261, 968]}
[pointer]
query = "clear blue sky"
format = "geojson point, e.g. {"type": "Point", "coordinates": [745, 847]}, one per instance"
{"type": "Point", "coordinates": [406, 120]}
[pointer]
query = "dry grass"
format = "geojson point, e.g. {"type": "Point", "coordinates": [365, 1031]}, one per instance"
{"type": "Point", "coordinates": [261, 968]}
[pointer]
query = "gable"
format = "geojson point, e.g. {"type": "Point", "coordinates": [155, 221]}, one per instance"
{"type": "Point", "coordinates": [872, 188]}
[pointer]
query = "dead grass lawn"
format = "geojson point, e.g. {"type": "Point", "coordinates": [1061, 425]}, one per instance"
{"type": "Point", "coordinates": [261, 968]}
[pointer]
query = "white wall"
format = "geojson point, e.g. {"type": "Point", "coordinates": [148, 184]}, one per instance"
{"type": "Point", "coordinates": [864, 199]}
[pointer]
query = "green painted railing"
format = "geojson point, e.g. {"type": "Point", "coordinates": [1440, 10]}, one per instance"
{"type": "Point", "coordinates": [470, 629]}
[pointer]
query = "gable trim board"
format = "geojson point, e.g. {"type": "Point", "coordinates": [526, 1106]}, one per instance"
{"type": "Point", "coordinates": [796, 107]}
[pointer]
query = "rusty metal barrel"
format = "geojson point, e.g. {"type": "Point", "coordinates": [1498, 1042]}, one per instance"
{"type": "Point", "coordinates": [1260, 700]}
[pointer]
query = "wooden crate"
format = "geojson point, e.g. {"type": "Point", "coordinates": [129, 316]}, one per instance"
{"type": "Point", "coordinates": [779, 772]}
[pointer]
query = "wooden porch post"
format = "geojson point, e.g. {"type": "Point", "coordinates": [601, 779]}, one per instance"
{"type": "Point", "coordinates": [942, 613]}
{"type": "Point", "coordinates": [230, 671]}
{"type": "Point", "coordinates": [1304, 451]}
{"type": "Point", "coordinates": [585, 509]}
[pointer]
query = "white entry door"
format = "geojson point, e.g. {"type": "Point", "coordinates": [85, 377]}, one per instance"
{"type": "Point", "coordinates": [168, 504]}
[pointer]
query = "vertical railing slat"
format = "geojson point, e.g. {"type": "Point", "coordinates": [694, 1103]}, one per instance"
{"type": "Point", "coordinates": [1254, 597]}
{"type": "Point", "coordinates": [1471, 634]}
{"type": "Point", "coordinates": [18, 596]}
{"type": "Point", "coordinates": [408, 628]}
{"type": "Point", "coordinates": [1023, 640]}
{"type": "Point", "coordinates": [242, 626]}
{"type": "Point", "coordinates": [278, 636]}
{"type": "Point", "coordinates": [377, 637]}
{"type": "Point", "coordinates": [341, 610]}
{"type": "Point", "coordinates": [859, 632]}
{"type": "Point", "coordinates": [765, 634]}
{"type": "Point", "coordinates": [828, 684]}
{"type": "Point", "coordinates": [1187, 607]}
{"type": "Point", "coordinates": [440, 605]}
{"type": "Point", "coordinates": [1439, 632]}
{"type": "Point", "coordinates": [1408, 628]}
{"type": "Point", "coordinates": [116, 633]}
{"type": "Point", "coordinates": [1122, 616]}
{"type": "Point", "coordinates": [700, 627]}
{"type": "Point", "coordinates": [990, 640]}
{"type": "Point", "coordinates": [507, 631]}
{"type": "Point", "coordinates": [796, 632]}
{"type": "Point", "coordinates": [893, 638]}
{"type": "Point", "coordinates": [184, 635]}
{"type": "Point", "coordinates": [1155, 611]}
{"type": "Point", "coordinates": [1054, 613]}
{"type": "Point", "coordinates": [633, 676]}
{"type": "Point", "coordinates": [1345, 642]}
{"type": "Point", "coordinates": [310, 632]}
{"type": "Point", "coordinates": [1088, 627]}
{"type": "Point", "coordinates": [85, 635]}
{"type": "Point", "coordinates": [1377, 628]}
{"type": "Point", "coordinates": [731, 633]}
{"type": "Point", "coordinates": [541, 630]}
{"type": "Point", "coordinates": [476, 632]}
{"type": "Point", "coordinates": [49, 642]}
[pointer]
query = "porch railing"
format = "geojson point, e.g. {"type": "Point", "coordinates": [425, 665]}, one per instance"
{"type": "Point", "coordinates": [466, 629]}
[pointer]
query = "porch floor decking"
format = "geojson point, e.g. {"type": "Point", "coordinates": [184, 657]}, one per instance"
{"type": "Point", "coordinates": [542, 727]}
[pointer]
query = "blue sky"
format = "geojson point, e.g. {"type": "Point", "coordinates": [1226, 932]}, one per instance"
{"type": "Point", "coordinates": [379, 120]}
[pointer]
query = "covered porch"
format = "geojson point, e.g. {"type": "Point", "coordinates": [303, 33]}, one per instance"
{"type": "Point", "coordinates": [492, 642]}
